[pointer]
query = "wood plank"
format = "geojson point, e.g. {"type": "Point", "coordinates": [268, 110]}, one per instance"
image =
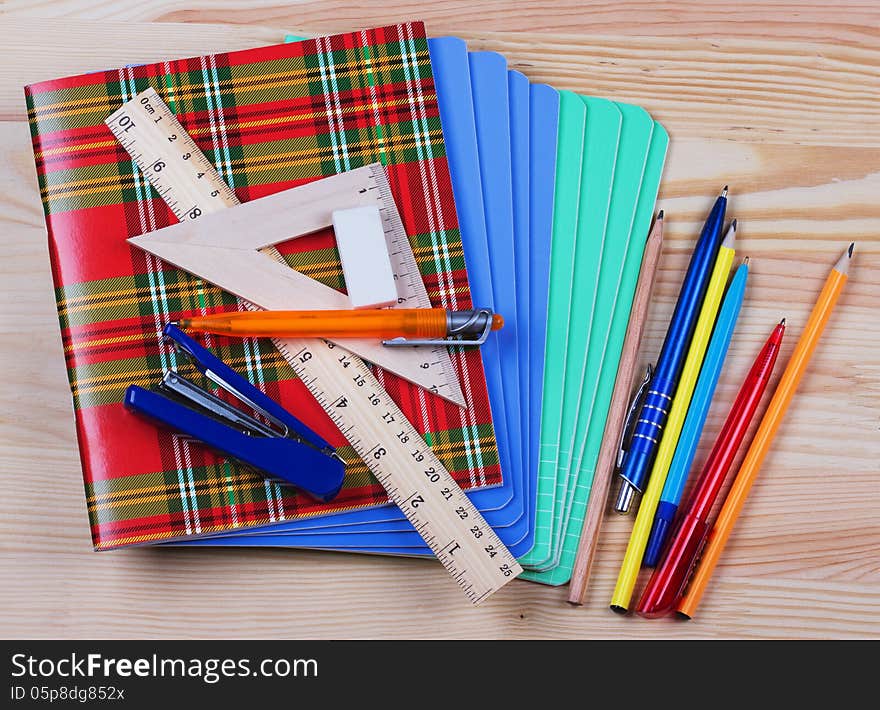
{"type": "Point", "coordinates": [801, 156]}
{"type": "Point", "coordinates": [732, 89]}
{"type": "Point", "coordinates": [853, 20]}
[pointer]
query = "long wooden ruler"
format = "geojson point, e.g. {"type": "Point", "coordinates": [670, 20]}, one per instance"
{"type": "Point", "coordinates": [340, 381]}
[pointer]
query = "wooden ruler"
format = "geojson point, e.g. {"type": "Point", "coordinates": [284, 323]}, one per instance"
{"type": "Point", "coordinates": [340, 381]}
{"type": "Point", "coordinates": [187, 181]}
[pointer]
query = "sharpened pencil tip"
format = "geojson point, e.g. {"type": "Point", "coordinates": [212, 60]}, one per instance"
{"type": "Point", "coordinates": [746, 260]}
{"type": "Point", "coordinates": [782, 322]}
{"type": "Point", "coordinates": [733, 225]}
{"type": "Point", "coordinates": [660, 214]}
{"type": "Point", "coordinates": [724, 191]}
{"type": "Point", "coordinates": [845, 258]}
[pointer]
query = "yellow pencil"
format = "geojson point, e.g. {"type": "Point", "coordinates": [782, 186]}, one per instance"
{"type": "Point", "coordinates": [629, 570]}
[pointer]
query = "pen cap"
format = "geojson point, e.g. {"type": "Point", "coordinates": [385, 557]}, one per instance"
{"type": "Point", "coordinates": [669, 579]}
{"type": "Point", "coordinates": [659, 531]}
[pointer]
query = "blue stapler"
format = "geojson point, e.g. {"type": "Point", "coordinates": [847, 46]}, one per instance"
{"type": "Point", "coordinates": [282, 447]}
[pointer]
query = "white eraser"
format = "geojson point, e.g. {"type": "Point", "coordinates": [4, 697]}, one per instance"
{"type": "Point", "coordinates": [363, 252]}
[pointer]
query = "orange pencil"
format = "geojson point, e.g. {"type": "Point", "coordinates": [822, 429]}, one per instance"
{"type": "Point", "coordinates": [376, 323]}
{"type": "Point", "coordinates": [776, 410]}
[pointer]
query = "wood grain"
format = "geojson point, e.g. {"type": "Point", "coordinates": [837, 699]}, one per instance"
{"type": "Point", "coordinates": [732, 89]}
{"type": "Point", "coordinates": [779, 99]}
{"type": "Point", "coordinates": [853, 20]}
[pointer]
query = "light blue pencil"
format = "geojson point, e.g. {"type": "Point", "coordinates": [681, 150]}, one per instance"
{"type": "Point", "coordinates": [696, 416]}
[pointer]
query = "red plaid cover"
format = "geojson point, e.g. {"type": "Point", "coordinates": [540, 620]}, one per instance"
{"type": "Point", "coordinates": [270, 119]}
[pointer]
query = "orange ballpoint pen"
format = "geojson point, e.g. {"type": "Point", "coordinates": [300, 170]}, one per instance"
{"type": "Point", "coordinates": [396, 326]}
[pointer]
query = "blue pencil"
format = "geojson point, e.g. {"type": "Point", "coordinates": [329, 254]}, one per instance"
{"type": "Point", "coordinates": [696, 415]}
{"type": "Point", "coordinates": [655, 409]}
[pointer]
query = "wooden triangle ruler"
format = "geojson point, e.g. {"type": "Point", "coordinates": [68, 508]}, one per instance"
{"type": "Point", "coordinates": [225, 249]}
{"type": "Point", "coordinates": [222, 246]}
{"type": "Point", "coordinates": [229, 248]}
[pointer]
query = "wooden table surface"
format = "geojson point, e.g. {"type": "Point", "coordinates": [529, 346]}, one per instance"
{"type": "Point", "coordinates": [781, 100]}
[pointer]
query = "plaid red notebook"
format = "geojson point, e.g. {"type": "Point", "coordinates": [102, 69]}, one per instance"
{"type": "Point", "coordinates": [270, 119]}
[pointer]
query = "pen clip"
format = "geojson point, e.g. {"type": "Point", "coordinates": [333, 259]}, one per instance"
{"type": "Point", "coordinates": [466, 327]}
{"type": "Point", "coordinates": [634, 406]}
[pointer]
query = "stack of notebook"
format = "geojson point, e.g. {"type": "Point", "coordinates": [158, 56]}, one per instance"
{"type": "Point", "coordinates": [553, 192]}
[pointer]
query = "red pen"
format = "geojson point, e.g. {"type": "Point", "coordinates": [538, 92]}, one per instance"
{"type": "Point", "coordinates": [668, 582]}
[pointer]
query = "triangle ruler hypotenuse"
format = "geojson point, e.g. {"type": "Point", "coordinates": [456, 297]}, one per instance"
{"type": "Point", "coordinates": [235, 251]}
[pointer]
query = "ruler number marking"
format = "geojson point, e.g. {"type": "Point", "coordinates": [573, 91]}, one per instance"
{"type": "Point", "coordinates": [125, 123]}
{"type": "Point", "coordinates": [414, 499]}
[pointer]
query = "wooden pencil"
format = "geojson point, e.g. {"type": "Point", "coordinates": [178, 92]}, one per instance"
{"type": "Point", "coordinates": [616, 415]}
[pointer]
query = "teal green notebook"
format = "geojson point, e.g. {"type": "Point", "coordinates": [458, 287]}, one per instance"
{"type": "Point", "coordinates": [597, 412]}
{"type": "Point", "coordinates": [633, 134]}
{"type": "Point", "coordinates": [632, 153]}
{"type": "Point", "coordinates": [569, 153]}
{"type": "Point", "coordinates": [602, 130]}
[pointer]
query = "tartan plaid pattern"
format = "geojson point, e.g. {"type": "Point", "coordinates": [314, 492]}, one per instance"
{"type": "Point", "coordinates": [269, 119]}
